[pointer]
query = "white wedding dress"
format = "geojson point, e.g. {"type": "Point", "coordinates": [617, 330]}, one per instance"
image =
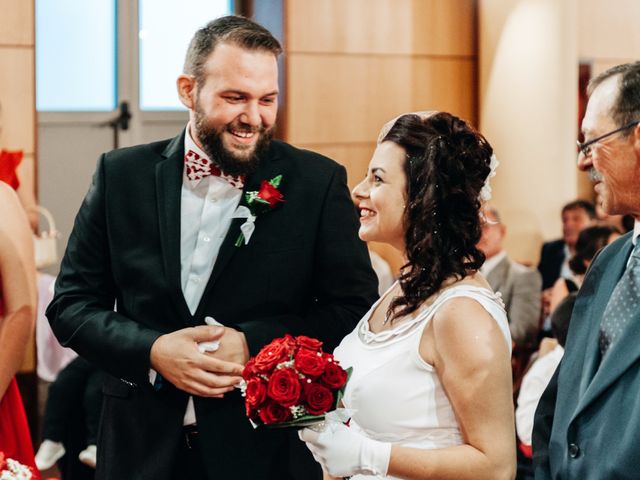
{"type": "Point", "coordinates": [396, 395]}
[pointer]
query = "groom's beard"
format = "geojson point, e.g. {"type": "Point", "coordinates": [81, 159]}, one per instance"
{"type": "Point", "coordinates": [230, 162]}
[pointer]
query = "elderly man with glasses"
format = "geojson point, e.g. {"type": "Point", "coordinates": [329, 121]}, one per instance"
{"type": "Point", "coordinates": [588, 421]}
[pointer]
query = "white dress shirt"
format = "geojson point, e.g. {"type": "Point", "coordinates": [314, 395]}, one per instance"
{"type": "Point", "coordinates": [533, 385]}
{"type": "Point", "coordinates": [565, 270]}
{"type": "Point", "coordinates": [206, 209]}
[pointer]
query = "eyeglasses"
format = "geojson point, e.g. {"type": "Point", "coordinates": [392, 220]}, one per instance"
{"type": "Point", "coordinates": [585, 148]}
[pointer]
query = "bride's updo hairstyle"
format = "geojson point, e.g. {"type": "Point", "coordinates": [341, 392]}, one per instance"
{"type": "Point", "coordinates": [446, 165]}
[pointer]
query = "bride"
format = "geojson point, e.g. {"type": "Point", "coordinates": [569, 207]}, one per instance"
{"type": "Point", "coordinates": [431, 383]}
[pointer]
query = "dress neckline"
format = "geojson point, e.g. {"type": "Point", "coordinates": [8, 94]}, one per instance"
{"type": "Point", "coordinates": [406, 327]}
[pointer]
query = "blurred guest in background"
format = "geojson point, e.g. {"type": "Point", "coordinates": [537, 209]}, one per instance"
{"type": "Point", "coordinates": [17, 318]}
{"type": "Point", "coordinates": [518, 285]}
{"type": "Point", "coordinates": [554, 257]}
{"type": "Point", "coordinates": [590, 240]}
{"type": "Point", "coordinates": [76, 391]}
{"type": "Point", "coordinates": [536, 380]}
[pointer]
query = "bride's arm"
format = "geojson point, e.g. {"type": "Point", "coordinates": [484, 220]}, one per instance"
{"type": "Point", "coordinates": [473, 363]}
{"type": "Point", "coordinates": [17, 285]}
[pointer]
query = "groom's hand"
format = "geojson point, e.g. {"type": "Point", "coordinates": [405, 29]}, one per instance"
{"type": "Point", "coordinates": [176, 357]}
{"type": "Point", "coordinates": [233, 347]}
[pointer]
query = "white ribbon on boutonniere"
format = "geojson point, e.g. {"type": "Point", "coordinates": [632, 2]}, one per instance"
{"type": "Point", "coordinates": [249, 225]}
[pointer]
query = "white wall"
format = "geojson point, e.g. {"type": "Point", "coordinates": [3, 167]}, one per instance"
{"type": "Point", "coordinates": [528, 109]}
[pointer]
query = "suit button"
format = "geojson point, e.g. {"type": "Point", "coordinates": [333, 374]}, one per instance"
{"type": "Point", "coordinates": [574, 450]}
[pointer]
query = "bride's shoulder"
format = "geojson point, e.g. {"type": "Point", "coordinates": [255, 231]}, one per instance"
{"type": "Point", "coordinates": [463, 307]}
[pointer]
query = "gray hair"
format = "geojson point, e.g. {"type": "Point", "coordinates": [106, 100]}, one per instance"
{"type": "Point", "coordinates": [626, 108]}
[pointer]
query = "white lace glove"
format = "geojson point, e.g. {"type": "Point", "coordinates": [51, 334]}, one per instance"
{"type": "Point", "coordinates": [342, 452]}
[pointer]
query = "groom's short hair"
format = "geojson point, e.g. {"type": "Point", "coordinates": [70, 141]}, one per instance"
{"type": "Point", "coordinates": [233, 29]}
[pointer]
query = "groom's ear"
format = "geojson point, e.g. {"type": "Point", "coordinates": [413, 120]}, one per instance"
{"type": "Point", "coordinates": [187, 90]}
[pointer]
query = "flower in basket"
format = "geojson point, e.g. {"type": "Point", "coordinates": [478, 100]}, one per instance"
{"type": "Point", "coordinates": [259, 201]}
{"type": "Point", "coordinates": [13, 470]}
{"type": "Point", "coordinates": [292, 382]}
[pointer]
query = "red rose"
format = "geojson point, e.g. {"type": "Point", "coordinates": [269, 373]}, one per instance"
{"type": "Point", "coordinates": [334, 375]}
{"type": "Point", "coordinates": [310, 362]}
{"type": "Point", "coordinates": [256, 392]}
{"type": "Point", "coordinates": [317, 398]}
{"type": "Point", "coordinates": [279, 350]}
{"type": "Point", "coordinates": [290, 342]}
{"type": "Point", "coordinates": [249, 370]}
{"type": "Point", "coordinates": [284, 387]}
{"type": "Point", "coordinates": [308, 342]}
{"type": "Point", "coordinates": [274, 413]}
{"type": "Point", "coordinates": [270, 194]}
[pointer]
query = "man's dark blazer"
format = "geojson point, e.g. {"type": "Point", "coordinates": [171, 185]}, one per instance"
{"type": "Point", "coordinates": [587, 424]}
{"type": "Point", "coordinates": [304, 271]}
{"type": "Point", "coordinates": [551, 259]}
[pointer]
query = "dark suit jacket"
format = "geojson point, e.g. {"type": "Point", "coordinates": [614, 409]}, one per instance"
{"type": "Point", "coordinates": [304, 272]}
{"type": "Point", "coordinates": [520, 289]}
{"type": "Point", "coordinates": [551, 259]}
{"type": "Point", "coordinates": [587, 424]}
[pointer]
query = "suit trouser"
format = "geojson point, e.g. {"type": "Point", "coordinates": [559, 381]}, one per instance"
{"type": "Point", "coordinates": [189, 464]}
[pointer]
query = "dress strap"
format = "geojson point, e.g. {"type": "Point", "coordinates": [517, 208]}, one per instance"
{"type": "Point", "coordinates": [490, 301]}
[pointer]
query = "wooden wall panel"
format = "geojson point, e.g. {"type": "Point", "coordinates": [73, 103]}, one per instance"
{"type": "Point", "coordinates": [16, 22]}
{"type": "Point", "coordinates": [17, 116]}
{"type": "Point", "coordinates": [351, 103]}
{"type": "Point", "coordinates": [407, 27]}
{"type": "Point", "coordinates": [447, 85]}
{"type": "Point", "coordinates": [363, 92]}
{"type": "Point", "coordinates": [355, 157]}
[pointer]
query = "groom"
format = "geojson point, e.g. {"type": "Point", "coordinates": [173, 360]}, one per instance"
{"type": "Point", "coordinates": [158, 239]}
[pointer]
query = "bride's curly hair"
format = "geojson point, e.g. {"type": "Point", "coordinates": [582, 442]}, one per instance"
{"type": "Point", "coordinates": [447, 163]}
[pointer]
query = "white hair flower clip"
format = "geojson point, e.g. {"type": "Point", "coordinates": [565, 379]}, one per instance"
{"type": "Point", "coordinates": [485, 191]}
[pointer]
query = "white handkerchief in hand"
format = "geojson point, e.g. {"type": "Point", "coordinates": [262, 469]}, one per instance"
{"type": "Point", "coordinates": [205, 347]}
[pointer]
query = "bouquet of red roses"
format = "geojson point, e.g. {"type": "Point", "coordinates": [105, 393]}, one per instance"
{"type": "Point", "coordinates": [13, 470]}
{"type": "Point", "coordinates": [292, 382]}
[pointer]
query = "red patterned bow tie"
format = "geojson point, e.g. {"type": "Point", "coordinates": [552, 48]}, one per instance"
{"type": "Point", "coordinates": [199, 167]}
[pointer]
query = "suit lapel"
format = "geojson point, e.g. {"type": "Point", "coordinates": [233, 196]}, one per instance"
{"type": "Point", "coordinates": [597, 378]}
{"type": "Point", "coordinates": [168, 191]}
{"type": "Point", "coordinates": [498, 276]}
{"type": "Point", "coordinates": [265, 171]}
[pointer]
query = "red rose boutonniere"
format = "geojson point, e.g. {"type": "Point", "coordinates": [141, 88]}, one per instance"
{"type": "Point", "coordinates": [291, 382]}
{"type": "Point", "coordinates": [260, 201]}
